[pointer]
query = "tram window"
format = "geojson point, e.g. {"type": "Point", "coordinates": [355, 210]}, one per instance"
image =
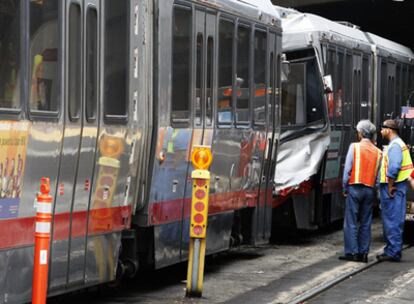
{"type": "Point", "coordinates": [314, 93]}
{"type": "Point", "coordinates": [116, 60]}
{"type": "Point", "coordinates": [91, 80]}
{"type": "Point", "coordinates": [242, 80]}
{"type": "Point", "coordinates": [339, 88]}
{"type": "Point", "coordinates": [404, 78]}
{"type": "Point", "coordinates": [209, 88]}
{"type": "Point", "coordinates": [411, 79]}
{"type": "Point", "coordinates": [9, 54]}
{"type": "Point", "coordinates": [74, 61]}
{"type": "Point", "coordinates": [347, 107]}
{"type": "Point", "coordinates": [225, 86]}
{"type": "Point", "coordinates": [331, 64]}
{"type": "Point", "coordinates": [180, 107]}
{"type": "Point", "coordinates": [270, 92]}
{"type": "Point", "coordinates": [397, 93]}
{"type": "Point", "coordinates": [383, 91]}
{"type": "Point", "coordinates": [390, 106]}
{"type": "Point", "coordinates": [293, 96]}
{"type": "Point", "coordinates": [365, 106]}
{"type": "Point", "coordinates": [259, 100]}
{"type": "Point", "coordinates": [44, 55]}
{"type": "Point", "coordinates": [199, 78]}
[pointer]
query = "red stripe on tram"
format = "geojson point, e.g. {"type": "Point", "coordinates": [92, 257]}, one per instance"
{"type": "Point", "coordinates": [20, 231]}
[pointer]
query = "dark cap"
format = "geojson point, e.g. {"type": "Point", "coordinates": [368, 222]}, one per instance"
{"type": "Point", "coordinates": [390, 124]}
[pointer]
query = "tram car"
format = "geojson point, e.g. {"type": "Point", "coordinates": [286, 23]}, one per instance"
{"type": "Point", "coordinates": [107, 98]}
{"type": "Point", "coordinates": [371, 78]}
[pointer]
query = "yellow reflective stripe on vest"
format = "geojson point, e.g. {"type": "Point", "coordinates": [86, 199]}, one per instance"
{"type": "Point", "coordinates": [406, 163]}
{"type": "Point", "coordinates": [384, 165]}
{"type": "Point", "coordinates": [357, 160]}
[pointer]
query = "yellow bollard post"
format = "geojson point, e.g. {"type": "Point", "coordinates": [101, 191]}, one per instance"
{"type": "Point", "coordinates": [201, 158]}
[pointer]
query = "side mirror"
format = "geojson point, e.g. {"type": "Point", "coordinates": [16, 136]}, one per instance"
{"type": "Point", "coordinates": [285, 69]}
{"type": "Point", "coordinates": [327, 84]}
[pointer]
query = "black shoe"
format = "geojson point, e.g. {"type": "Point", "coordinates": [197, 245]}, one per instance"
{"type": "Point", "coordinates": [384, 258]}
{"type": "Point", "coordinates": [363, 257]}
{"type": "Point", "coordinates": [349, 257]}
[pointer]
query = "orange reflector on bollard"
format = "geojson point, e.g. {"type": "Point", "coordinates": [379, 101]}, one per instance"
{"type": "Point", "coordinates": [200, 194]}
{"type": "Point", "coordinates": [198, 218]}
{"type": "Point", "coordinates": [199, 206]}
{"type": "Point", "coordinates": [198, 230]}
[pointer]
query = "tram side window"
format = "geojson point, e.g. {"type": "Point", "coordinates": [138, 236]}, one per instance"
{"type": "Point", "coordinates": [91, 90]}
{"type": "Point", "coordinates": [242, 80]}
{"type": "Point", "coordinates": [397, 93]}
{"type": "Point", "coordinates": [44, 55]}
{"type": "Point", "coordinates": [199, 78]}
{"type": "Point", "coordinates": [259, 98]}
{"type": "Point", "coordinates": [411, 79]}
{"type": "Point", "coordinates": [293, 96]}
{"type": "Point", "coordinates": [365, 106]}
{"type": "Point", "coordinates": [180, 107]}
{"type": "Point", "coordinates": [314, 91]}
{"type": "Point", "coordinates": [404, 79]}
{"type": "Point", "coordinates": [347, 106]}
{"type": "Point", "coordinates": [210, 77]}
{"type": "Point", "coordinates": [116, 60]}
{"type": "Point", "coordinates": [225, 86]}
{"type": "Point", "coordinates": [74, 58]}
{"type": "Point", "coordinates": [383, 91]}
{"type": "Point", "coordinates": [339, 88]}
{"type": "Point", "coordinates": [9, 54]}
{"type": "Point", "coordinates": [331, 65]}
{"type": "Point", "coordinates": [390, 106]}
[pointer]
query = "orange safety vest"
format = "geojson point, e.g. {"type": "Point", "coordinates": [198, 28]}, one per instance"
{"type": "Point", "coordinates": [367, 159]}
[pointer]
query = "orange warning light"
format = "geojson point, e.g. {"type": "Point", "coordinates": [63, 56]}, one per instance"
{"type": "Point", "coordinates": [111, 146]}
{"type": "Point", "coordinates": [201, 157]}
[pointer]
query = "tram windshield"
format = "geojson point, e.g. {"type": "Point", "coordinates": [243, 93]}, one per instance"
{"type": "Point", "coordinates": [9, 53]}
{"type": "Point", "coordinates": [302, 93]}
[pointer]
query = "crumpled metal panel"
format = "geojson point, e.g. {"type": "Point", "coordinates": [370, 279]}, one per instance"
{"type": "Point", "coordinates": [300, 158]}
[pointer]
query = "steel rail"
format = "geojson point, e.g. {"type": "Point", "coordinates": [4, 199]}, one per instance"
{"type": "Point", "coordinates": [311, 293]}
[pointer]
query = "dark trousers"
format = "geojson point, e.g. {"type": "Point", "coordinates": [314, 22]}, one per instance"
{"type": "Point", "coordinates": [393, 218]}
{"type": "Point", "coordinates": [358, 219]}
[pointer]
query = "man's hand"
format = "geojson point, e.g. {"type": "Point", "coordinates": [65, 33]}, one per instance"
{"type": "Point", "coordinates": [345, 193]}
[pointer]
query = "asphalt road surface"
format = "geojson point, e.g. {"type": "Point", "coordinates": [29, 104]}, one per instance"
{"type": "Point", "coordinates": [275, 273]}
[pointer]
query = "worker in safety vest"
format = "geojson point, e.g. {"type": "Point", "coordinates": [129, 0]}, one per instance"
{"type": "Point", "coordinates": [396, 167]}
{"type": "Point", "coordinates": [359, 179]}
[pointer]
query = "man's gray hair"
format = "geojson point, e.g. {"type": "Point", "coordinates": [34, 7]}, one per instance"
{"type": "Point", "coordinates": [366, 128]}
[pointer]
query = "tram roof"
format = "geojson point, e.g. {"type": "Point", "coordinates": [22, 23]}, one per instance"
{"type": "Point", "coordinates": [297, 26]}
{"type": "Point", "coordinates": [388, 47]}
{"type": "Point", "coordinates": [260, 10]}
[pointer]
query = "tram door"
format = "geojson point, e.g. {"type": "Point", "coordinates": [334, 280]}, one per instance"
{"type": "Point", "coordinates": [264, 207]}
{"type": "Point", "coordinates": [202, 96]}
{"type": "Point", "coordinates": [79, 144]}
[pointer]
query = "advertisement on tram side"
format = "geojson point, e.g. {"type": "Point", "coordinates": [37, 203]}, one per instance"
{"type": "Point", "coordinates": [13, 145]}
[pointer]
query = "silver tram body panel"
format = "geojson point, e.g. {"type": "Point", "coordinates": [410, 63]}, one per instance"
{"type": "Point", "coordinates": [92, 190]}
{"type": "Point", "coordinates": [169, 182]}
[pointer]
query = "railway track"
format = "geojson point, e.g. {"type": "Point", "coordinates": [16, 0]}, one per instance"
{"type": "Point", "coordinates": [320, 289]}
